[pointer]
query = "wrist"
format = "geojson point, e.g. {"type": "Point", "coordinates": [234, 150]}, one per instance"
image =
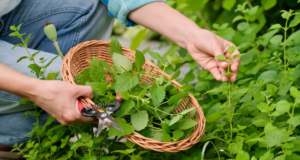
{"type": "Point", "coordinates": [33, 89]}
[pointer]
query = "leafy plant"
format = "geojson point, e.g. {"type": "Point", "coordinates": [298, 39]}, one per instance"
{"type": "Point", "coordinates": [147, 107]}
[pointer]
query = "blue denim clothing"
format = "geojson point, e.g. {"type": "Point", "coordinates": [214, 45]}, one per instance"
{"type": "Point", "coordinates": [120, 9]}
{"type": "Point", "coordinates": [76, 21]}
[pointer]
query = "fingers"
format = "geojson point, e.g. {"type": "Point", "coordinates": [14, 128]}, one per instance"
{"type": "Point", "coordinates": [216, 73]}
{"type": "Point", "coordinates": [85, 91]}
{"type": "Point", "coordinates": [221, 63]}
{"type": "Point", "coordinates": [224, 78]}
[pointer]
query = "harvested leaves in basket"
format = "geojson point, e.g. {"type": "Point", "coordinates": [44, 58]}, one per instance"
{"type": "Point", "coordinates": [147, 108]}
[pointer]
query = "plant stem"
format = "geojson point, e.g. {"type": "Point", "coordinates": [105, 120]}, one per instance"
{"type": "Point", "coordinates": [229, 97]}
{"type": "Point", "coordinates": [284, 50]}
{"type": "Point", "coordinates": [58, 49]}
{"type": "Point", "coordinates": [30, 55]}
{"type": "Point", "coordinates": [38, 126]}
{"type": "Point", "coordinates": [257, 52]}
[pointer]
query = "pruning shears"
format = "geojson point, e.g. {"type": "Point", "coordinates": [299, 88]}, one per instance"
{"type": "Point", "coordinates": [104, 117]}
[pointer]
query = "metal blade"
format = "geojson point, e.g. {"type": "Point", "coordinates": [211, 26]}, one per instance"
{"type": "Point", "coordinates": [100, 126]}
{"type": "Point", "coordinates": [113, 123]}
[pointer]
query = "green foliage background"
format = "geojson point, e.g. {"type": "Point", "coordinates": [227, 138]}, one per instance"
{"type": "Point", "coordinates": [255, 118]}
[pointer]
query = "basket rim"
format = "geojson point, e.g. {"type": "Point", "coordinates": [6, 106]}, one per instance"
{"type": "Point", "coordinates": [66, 67]}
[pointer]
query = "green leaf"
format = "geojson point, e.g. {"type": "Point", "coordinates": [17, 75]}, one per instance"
{"type": "Point", "coordinates": [268, 4]}
{"type": "Point", "coordinates": [125, 82]}
{"type": "Point", "coordinates": [294, 92]}
{"type": "Point", "coordinates": [237, 18]}
{"type": "Point", "coordinates": [52, 75]}
{"type": "Point", "coordinates": [285, 88]}
{"type": "Point", "coordinates": [176, 98]}
{"type": "Point", "coordinates": [19, 26]}
{"type": "Point", "coordinates": [237, 56]}
{"type": "Point", "coordinates": [178, 134]}
{"type": "Point", "coordinates": [17, 46]}
{"type": "Point", "coordinates": [155, 55]}
{"type": "Point", "coordinates": [139, 59]}
{"type": "Point", "coordinates": [186, 124]}
{"type": "Point", "coordinates": [228, 4]}
{"type": "Point", "coordinates": [175, 120]}
{"type": "Point", "coordinates": [124, 95]}
{"type": "Point", "coordinates": [166, 138]}
{"type": "Point", "coordinates": [96, 70]}
{"type": "Point", "coordinates": [275, 26]}
{"type": "Point", "coordinates": [76, 145]}
{"type": "Point", "coordinates": [48, 64]}
{"type": "Point", "coordinates": [115, 46]}
{"type": "Point", "coordinates": [237, 145]}
{"type": "Point", "coordinates": [99, 88]}
{"type": "Point", "coordinates": [24, 57]}
{"type": "Point", "coordinates": [231, 49]}
{"type": "Point", "coordinates": [242, 155]}
{"type": "Point", "coordinates": [242, 26]}
{"type": "Point", "coordinates": [260, 120]}
{"type": "Point", "coordinates": [34, 54]}
{"type": "Point", "coordinates": [271, 88]}
{"type": "Point", "coordinates": [187, 110]}
{"type": "Point", "coordinates": [263, 107]}
{"type": "Point", "coordinates": [213, 117]}
{"type": "Point", "coordinates": [136, 41]}
{"type": "Point", "coordinates": [224, 26]}
{"type": "Point", "coordinates": [267, 76]}
{"type": "Point", "coordinates": [106, 66]}
{"type": "Point", "coordinates": [13, 34]}
{"type": "Point", "coordinates": [70, 153]}
{"type": "Point", "coordinates": [283, 106]}
{"type": "Point", "coordinates": [228, 74]}
{"type": "Point", "coordinates": [276, 39]}
{"type": "Point", "coordinates": [157, 94]}
{"type": "Point", "coordinates": [83, 77]}
{"type": "Point", "coordinates": [128, 129]}
{"type": "Point", "coordinates": [139, 120]}
{"type": "Point", "coordinates": [294, 22]}
{"type": "Point", "coordinates": [109, 158]}
{"type": "Point", "coordinates": [258, 96]}
{"type": "Point", "coordinates": [274, 137]}
{"type": "Point", "coordinates": [285, 14]}
{"type": "Point", "coordinates": [122, 63]}
{"type": "Point", "coordinates": [127, 151]}
{"type": "Point", "coordinates": [190, 76]}
{"type": "Point", "coordinates": [176, 75]}
{"type": "Point", "coordinates": [35, 68]}
{"type": "Point", "coordinates": [129, 144]}
{"type": "Point", "coordinates": [24, 101]}
{"type": "Point", "coordinates": [13, 28]}
{"type": "Point", "coordinates": [85, 136]}
{"type": "Point", "coordinates": [253, 10]}
{"type": "Point", "coordinates": [27, 39]}
{"type": "Point", "coordinates": [220, 57]}
{"type": "Point", "coordinates": [294, 121]}
{"type": "Point", "coordinates": [281, 157]}
{"type": "Point", "coordinates": [89, 144]}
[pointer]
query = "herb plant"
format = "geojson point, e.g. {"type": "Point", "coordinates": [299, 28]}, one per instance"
{"type": "Point", "coordinates": [255, 118]}
{"type": "Point", "coordinates": [147, 107]}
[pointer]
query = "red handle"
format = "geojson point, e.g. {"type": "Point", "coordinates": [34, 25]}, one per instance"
{"type": "Point", "coordinates": [80, 106]}
{"type": "Point", "coordinates": [119, 98]}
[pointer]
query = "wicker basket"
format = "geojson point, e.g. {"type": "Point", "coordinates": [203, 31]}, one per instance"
{"type": "Point", "coordinates": [75, 61]}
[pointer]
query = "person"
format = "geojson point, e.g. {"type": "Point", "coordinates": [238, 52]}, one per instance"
{"type": "Point", "coordinates": [78, 21]}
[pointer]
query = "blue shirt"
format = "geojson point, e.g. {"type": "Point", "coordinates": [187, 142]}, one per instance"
{"type": "Point", "coordinates": [120, 9]}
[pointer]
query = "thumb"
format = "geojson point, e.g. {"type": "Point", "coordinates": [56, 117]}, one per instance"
{"type": "Point", "coordinates": [85, 91]}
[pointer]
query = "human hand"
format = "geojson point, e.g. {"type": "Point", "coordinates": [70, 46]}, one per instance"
{"type": "Point", "coordinates": [205, 46]}
{"type": "Point", "coordinates": [59, 99]}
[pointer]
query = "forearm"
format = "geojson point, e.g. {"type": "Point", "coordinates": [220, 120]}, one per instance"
{"type": "Point", "coordinates": [160, 17]}
{"type": "Point", "coordinates": [16, 83]}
